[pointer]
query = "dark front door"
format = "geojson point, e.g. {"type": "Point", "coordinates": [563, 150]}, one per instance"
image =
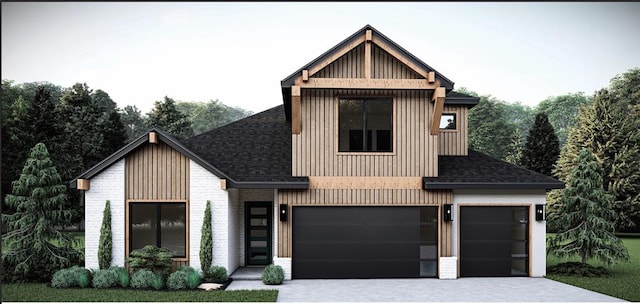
{"type": "Point", "coordinates": [258, 218]}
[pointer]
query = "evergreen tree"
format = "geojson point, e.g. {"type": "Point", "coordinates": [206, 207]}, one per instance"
{"type": "Point", "coordinates": [489, 130]}
{"type": "Point", "coordinates": [515, 149]}
{"type": "Point", "coordinates": [38, 198]}
{"type": "Point", "coordinates": [106, 241]}
{"type": "Point", "coordinates": [166, 117]}
{"type": "Point", "coordinates": [133, 122]}
{"type": "Point", "coordinates": [206, 242]}
{"type": "Point", "coordinates": [562, 111]}
{"type": "Point", "coordinates": [587, 228]}
{"type": "Point", "coordinates": [542, 149]}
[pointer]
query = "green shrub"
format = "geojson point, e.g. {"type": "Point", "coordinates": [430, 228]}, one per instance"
{"type": "Point", "coordinates": [273, 275]}
{"type": "Point", "coordinates": [216, 274]}
{"type": "Point", "coordinates": [105, 244]}
{"type": "Point", "coordinates": [193, 279]}
{"type": "Point", "coordinates": [177, 280]}
{"type": "Point", "coordinates": [206, 242]}
{"type": "Point", "coordinates": [71, 277]}
{"type": "Point", "coordinates": [105, 278]}
{"type": "Point", "coordinates": [577, 269]}
{"type": "Point", "coordinates": [142, 279]}
{"type": "Point", "coordinates": [123, 276]}
{"type": "Point", "coordinates": [158, 282]}
{"type": "Point", "coordinates": [153, 258]}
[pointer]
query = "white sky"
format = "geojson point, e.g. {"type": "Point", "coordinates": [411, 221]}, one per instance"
{"type": "Point", "coordinates": [239, 52]}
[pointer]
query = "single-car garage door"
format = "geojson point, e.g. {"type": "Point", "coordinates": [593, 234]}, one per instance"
{"type": "Point", "coordinates": [494, 241]}
{"type": "Point", "coordinates": [364, 242]}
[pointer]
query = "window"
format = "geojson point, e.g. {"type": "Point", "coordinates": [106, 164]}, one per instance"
{"type": "Point", "coordinates": [448, 121]}
{"type": "Point", "coordinates": [365, 125]}
{"type": "Point", "coordinates": [160, 224]}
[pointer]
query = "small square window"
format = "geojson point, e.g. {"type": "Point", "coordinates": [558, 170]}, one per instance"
{"type": "Point", "coordinates": [448, 121]}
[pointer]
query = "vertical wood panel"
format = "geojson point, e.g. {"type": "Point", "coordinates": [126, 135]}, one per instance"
{"type": "Point", "coordinates": [157, 172]}
{"type": "Point", "coordinates": [455, 142]}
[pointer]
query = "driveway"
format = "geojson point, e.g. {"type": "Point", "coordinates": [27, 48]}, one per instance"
{"type": "Point", "coordinates": [428, 290]}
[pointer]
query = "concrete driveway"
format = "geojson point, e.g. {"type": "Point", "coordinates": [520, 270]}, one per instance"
{"type": "Point", "coordinates": [428, 290]}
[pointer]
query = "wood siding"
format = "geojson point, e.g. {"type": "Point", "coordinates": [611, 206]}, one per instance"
{"type": "Point", "coordinates": [157, 172]}
{"type": "Point", "coordinates": [455, 142]}
{"type": "Point", "coordinates": [384, 65]}
{"type": "Point", "coordinates": [370, 197]}
{"type": "Point", "coordinates": [350, 65]}
{"type": "Point", "coordinates": [315, 151]}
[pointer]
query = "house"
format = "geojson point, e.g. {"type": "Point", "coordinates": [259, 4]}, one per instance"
{"type": "Point", "coordinates": [363, 171]}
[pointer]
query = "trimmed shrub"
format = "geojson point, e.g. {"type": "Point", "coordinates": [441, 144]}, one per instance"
{"type": "Point", "coordinates": [158, 282]}
{"type": "Point", "coordinates": [71, 277]}
{"type": "Point", "coordinates": [153, 258]}
{"type": "Point", "coordinates": [142, 279]}
{"type": "Point", "coordinates": [273, 275]}
{"type": "Point", "coordinates": [577, 269]}
{"type": "Point", "coordinates": [177, 280]}
{"type": "Point", "coordinates": [105, 278]}
{"type": "Point", "coordinates": [123, 276]}
{"type": "Point", "coordinates": [206, 241]}
{"type": "Point", "coordinates": [216, 274]}
{"type": "Point", "coordinates": [183, 278]}
{"type": "Point", "coordinates": [105, 245]}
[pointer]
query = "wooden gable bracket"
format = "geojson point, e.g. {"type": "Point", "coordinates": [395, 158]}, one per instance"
{"type": "Point", "coordinates": [438, 97]}
{"type": "Point", "coordinates": [153, 138]}
{"type": "Point", "coordinates": [83, 184]}
{"type": "Point", "coordinates": [327, 61]}
{"type": "Point", "coordinates": [296, 123]}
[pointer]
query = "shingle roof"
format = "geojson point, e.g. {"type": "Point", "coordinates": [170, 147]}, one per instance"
{"type": "Point", "coordinates": [480, 171]}
{"type": "Point", "coordinates": [460, 99]}
{"type": "Point", "coordinates": [254, 152]}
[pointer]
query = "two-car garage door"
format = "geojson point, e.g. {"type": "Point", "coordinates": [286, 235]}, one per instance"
{"type": "Point", "coordinates": [364, 242]}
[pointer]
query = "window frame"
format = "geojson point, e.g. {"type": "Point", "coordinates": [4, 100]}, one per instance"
{"type": "Point", "coordinates": [456, 115]}
{"type": "Point", "coordinates": [128, 223]}
{"type": "Point", "coordinates": [336, 119]}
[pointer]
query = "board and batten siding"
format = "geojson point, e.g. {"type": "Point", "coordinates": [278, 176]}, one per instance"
{"type": "Point", "coordinates": [360, 197]}
{"type": "Point", "coordinates": [455, 142]}
{"type": "Point", "coordinates": [157, 173]}
{"type": "Point", "coordinates": [315, 149]}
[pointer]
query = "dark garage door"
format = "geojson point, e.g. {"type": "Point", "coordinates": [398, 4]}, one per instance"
{"type": "Point", "coordinates": [364, 242]}
{"type": "Point", "coordinates": [494, 241]}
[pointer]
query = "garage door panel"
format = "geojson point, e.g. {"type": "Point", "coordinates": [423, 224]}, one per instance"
{"type": "Point", "coordinates": [359, 242]}
{"type": "Point", "coordinates": [486, 267]}
{"type": "Point", "coordinates": [482, 250]}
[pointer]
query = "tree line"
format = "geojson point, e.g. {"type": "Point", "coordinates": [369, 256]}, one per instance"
{"type": "Point", "coordinates": [81, 126]}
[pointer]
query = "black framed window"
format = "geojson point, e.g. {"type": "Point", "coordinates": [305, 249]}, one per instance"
{"type": "Point", "coordinates": [365, 125]}
{"type": "Point", "coordinates": [448, 121]}
{"type": "Point", "coordinates": [161, 224]}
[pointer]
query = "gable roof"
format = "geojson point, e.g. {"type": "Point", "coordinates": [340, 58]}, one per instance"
{"type": "Point", "coordinates": [139, 143]}
{"type": "Point", "coordinates": [254, 152]}
{"type": "Point", "coordinates": [460, 99]}
{"type": "Point", "coordinates": [289, 81]}
{"type": "Point", "coordinates": [480, 171]}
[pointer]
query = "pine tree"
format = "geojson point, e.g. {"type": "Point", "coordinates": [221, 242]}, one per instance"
{"type": "Point", "coordinates": [166, 117]}
{"type": "Point", "coordinates": [38, 198]}
{"type": "Point", "coordinates": [106, 241]}
{"type": "Point", "coordinates": [206, 242]}
{"type": "Point", "coordinates": [542, 148]}
{"type": "Point", "coordinates": [515, 148]}
{"type": "Point", "coordinates": [587, 228]}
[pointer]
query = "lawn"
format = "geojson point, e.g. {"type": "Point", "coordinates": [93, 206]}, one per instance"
{"type": "Point", "coordinates": [623, 280]}
{"type": "Point", "coordinates": [41, 293]}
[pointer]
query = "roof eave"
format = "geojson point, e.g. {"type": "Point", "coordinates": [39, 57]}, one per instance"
{"type": "Point", "coordinates": [431, 185]}
{"type": "Point", "coordinates": [304, 184]}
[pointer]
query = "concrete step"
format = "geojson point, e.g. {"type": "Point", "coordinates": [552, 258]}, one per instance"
{"type": "Point", "coordinates": [248, 273]}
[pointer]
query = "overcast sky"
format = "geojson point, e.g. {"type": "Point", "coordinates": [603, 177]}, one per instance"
{"type": "Point", "coordinates": [239, 52]}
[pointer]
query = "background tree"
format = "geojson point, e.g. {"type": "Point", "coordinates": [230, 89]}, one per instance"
{"type": "Point", "coordinates": [489, 130]}
{"type": "Point", "coordinates": [37, 198]}
{"type": "Point", "coordinates": [519, 115]}
{"type": "Point", "coordinates": [210, 115]}
{"type": "Point", "coordinates": [562, 112]}
{"type": "Point", "coordinates": [608, 128]}
{"type": "Point", "coordinates": [515, 149]}
{"type": "Point", "coordinates": [206, 241]}
{"type": "Point", "coordinates": [106, 239]}
{"type": "Point", "coordinates": [542, 149]}
{"type": "Point", "coordinates": [587, 228]}
{"type": "Point", "coordinates": [133, 122]}
{"type": "Point", "coordinates": [166, 117]}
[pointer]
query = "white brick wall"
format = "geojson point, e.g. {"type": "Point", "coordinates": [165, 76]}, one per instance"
{"type": "Point", "coordinates": [448, 268]}
{"type": "Point", "coordinates": [108, 185]}
{"type": "Point", "coordinates": [206, 186]}
{"type": "Point", "coordinates": [285, 263]}
{"type": "Point", "coordinates": [235, 231]}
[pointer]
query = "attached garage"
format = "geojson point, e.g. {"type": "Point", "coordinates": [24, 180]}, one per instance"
{"type": "Point", "coordinates": [364, 242]}
{"type": "Point", "coordinates": [494, 241]}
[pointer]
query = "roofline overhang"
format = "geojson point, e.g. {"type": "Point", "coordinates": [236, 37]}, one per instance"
{"type": "Point", "coordinates": [270, 185]}
{"type": "Point", "coordinates": [430, 185]}
{"type": "Point", "coordinates": [457, 101]}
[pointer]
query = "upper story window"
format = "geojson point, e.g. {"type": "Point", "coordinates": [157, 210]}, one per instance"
{"type": "Point", "coordinates": [365, 125]}
{"type": "Point", "coordinates": [448, 121]}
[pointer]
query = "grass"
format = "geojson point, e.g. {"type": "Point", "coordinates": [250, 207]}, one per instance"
{"type": "Point", "coordinates": [43, 293]}
{"type": "Point", "coordinates": [623, 278]}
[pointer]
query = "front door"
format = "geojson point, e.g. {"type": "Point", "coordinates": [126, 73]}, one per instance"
{"type": "Point", "coordinates": [258, 218]}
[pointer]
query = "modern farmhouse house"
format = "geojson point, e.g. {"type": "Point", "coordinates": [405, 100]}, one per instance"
{"type": "Point", "coordinates": [363, 171]}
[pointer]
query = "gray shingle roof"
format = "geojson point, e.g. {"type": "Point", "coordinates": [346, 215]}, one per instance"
{"type": "Point", "coordinates": [254, 152]}
{"type": "Point", "coordinates": [480, 171]}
